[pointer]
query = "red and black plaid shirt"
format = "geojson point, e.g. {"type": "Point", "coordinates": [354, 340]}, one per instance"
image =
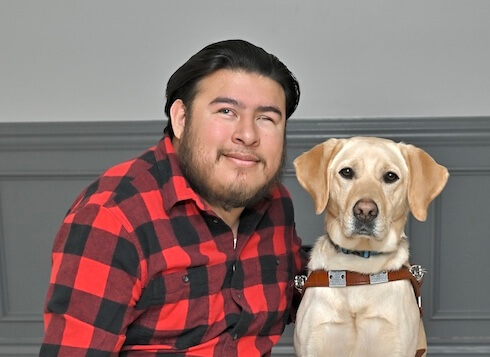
{"type": "Point", "coordinates": [143, 267]}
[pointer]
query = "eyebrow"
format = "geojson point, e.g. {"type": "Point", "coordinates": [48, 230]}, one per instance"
{"type": "Point", "coordinates": [262, 108]}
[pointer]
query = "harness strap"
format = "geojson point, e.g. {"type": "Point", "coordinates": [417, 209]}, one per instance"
{"type": "Point", "coordinates": [341, 278]}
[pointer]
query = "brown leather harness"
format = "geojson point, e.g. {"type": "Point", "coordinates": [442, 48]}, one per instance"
{"type": "Point", "coordinates": [340, 278]}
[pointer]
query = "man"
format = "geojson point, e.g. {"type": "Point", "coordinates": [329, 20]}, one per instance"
{"type": "Point", "coordinates": [189, 249]}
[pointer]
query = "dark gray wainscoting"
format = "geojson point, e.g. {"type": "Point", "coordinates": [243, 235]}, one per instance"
{"type": "Point", "coordinates": [43, 166]}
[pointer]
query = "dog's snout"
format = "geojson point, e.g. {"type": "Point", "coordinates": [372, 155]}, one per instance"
{"type": "Point", "coordinates": [365, 210]}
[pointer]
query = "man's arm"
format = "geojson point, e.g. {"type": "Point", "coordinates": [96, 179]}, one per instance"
{"type": "Point", "coordinates": [94, 285]}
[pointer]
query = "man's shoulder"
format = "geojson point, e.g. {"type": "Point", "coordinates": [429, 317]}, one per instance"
{"type": "Point", "coordinates": [123, 181]}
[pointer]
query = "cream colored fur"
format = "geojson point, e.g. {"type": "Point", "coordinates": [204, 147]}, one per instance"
{"type": "Point", "coordinates": [370, 320]}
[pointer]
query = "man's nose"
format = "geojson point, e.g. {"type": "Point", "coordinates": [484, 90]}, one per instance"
{"type": "Point", "coordinates": [246, 132]}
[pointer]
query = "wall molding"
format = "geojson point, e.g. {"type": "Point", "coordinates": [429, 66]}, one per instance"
{"type": "Point", "coordinates": [437, 312]}
{"type": "Point", "coordinates": [128, 134]}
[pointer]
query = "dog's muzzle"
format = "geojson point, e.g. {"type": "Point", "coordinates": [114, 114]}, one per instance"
{"type": "Point", "coordinates": [365, 212]}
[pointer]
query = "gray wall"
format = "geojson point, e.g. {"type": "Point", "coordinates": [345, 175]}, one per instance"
{"type": "Point", "coordinates": [97, 60]}
{"type": "Point", "coordinates": [43, 166]}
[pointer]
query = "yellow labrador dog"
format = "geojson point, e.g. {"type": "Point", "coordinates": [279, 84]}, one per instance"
{"type": "Point", "coordinates": [360, 296]}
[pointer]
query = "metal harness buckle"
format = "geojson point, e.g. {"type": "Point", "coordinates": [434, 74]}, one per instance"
{"type": "Point", "coordinates": [299, 282]}
{"type": "Point", "coordinates": [418, 271]}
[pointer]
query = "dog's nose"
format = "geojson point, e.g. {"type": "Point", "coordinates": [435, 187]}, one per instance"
{"type": "Point", "coordinates": [365, 209]}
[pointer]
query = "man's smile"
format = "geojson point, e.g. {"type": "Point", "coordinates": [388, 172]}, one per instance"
{"type": "Point", "coordinates": [243, 159]}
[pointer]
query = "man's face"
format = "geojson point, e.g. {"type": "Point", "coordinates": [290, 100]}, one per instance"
{"type": "Point", "coordinates": [231, 146]}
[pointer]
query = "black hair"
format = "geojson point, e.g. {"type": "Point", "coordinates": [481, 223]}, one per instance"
{"type": "Point", "coordinates": [233, 55]}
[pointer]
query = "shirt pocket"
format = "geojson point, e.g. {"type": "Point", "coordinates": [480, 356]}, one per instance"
{"type": "Point", "coordinates": [170, 288]}
{"type": "Point", "coordinates": [275, 269]}
{"type": "Point", "coordinates": [169, 305]}
{"type": "Point", "coordinates": [274, 276]}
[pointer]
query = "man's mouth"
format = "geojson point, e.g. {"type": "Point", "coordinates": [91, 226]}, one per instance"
{"type": "Point", "coordinates": [242, 158]}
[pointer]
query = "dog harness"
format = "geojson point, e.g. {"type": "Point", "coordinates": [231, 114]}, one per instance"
{"type": "Point", "coordinates": [342, 278]}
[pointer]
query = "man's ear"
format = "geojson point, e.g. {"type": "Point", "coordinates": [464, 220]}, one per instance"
{"type": "Point", "coordinates": [177, 117]}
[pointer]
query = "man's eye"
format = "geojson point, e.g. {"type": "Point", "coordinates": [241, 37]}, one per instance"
{"type": "Point", "coordinates": [347, 173]}
{"type": "Point", "coordinates": [225, 111]}
{"type": "Point", "coordinates": [266, 118]}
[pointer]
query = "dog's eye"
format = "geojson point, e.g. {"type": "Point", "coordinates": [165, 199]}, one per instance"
{"type": "Point", "coordinates": [347, 173]}
{"type": "Point", "coordinates": [390, 177]}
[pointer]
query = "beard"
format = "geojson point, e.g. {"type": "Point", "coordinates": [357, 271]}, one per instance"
{"type": "Point", "coordinates": [239, 193]}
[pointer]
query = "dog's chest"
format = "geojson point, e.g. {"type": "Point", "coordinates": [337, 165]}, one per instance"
{"type": "Point", "coordinates": [385, 301]}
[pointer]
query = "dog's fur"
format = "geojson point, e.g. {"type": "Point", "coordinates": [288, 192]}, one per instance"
{"type": "Point", "coordinates": [366, 210]}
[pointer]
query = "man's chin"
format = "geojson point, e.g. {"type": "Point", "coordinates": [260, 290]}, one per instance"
{"type": "Point", "coordinates": [237, 197]}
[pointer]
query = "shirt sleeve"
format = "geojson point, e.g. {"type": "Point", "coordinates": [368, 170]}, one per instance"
{"type": "Point", "coordinates": [94, 285]}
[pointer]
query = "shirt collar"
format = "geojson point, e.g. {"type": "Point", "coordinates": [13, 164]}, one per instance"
{"type": "Point", "coordinates": [175, 187]}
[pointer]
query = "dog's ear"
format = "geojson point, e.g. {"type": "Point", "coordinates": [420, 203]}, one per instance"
{"type": "Point", "coordinates": [312, 171]}
{"type": "Point", "coordinates": [426, 181]}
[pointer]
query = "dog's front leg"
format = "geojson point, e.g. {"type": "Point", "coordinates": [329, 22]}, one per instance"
{"type": "Point", "coordinates": [323, 326]}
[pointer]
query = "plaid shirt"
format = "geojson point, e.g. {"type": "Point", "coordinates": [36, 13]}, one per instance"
{"type": "Point", "coordinates": [141, 266]}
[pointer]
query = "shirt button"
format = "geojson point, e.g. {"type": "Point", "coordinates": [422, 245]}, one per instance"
{"type": "Point", "coordinates": [235, 336]}
{"type": "Point", "coordinates": [185, 279]}
{"type": "Point", "coordinates": [233, 267]}
{"type": "Point", "coordinates": [238, 296]}
{"type": "Point", "coordinates": [215, 220]}
{"type": "Point", "coordinates": [277, 262]}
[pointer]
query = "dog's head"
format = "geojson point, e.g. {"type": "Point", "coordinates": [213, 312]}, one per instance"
{"type": "Point", "coordinates": [368, 186]}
